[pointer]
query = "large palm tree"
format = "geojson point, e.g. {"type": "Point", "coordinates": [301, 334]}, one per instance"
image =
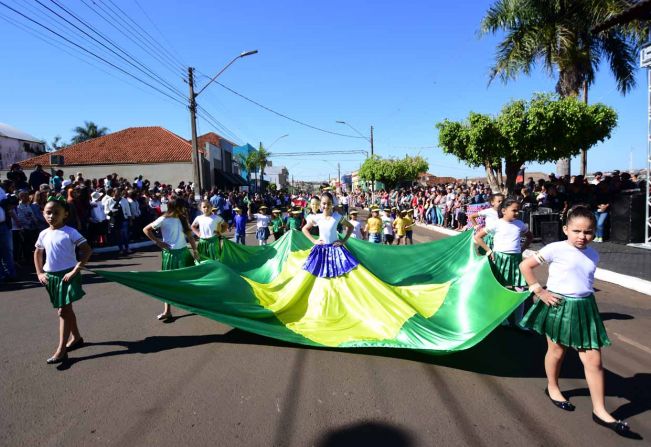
{"type": "Point", "coordinates": [558, 34]}
{"type": "Point", "coordinates": [249, 162]}
{"type": "Point", "coordinates": [89, 131]}
{"type": "Point", "coordinates": [262, 158]}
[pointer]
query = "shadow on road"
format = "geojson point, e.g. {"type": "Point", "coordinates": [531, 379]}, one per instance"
{"type": "Point", "coordinates": [377, 434]}
{"type": "Point", "coordinates": [615, 316]}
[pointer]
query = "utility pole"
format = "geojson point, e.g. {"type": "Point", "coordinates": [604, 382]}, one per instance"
{"type": "Point", "coordinates": [372, 178]}
{"type": "Point", "coordinates": [339, 174]}
{"type": "Point", "coordinates": [371, 141]}
{"type": "Point", "coordinates": [196, 160]}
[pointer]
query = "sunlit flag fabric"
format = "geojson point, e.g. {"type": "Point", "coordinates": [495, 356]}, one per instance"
{"type": "Point", "coordinates": [437, 296]}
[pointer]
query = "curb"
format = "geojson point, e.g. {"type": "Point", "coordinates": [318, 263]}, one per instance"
{"type": "Point", "coordinates": [628, 282]}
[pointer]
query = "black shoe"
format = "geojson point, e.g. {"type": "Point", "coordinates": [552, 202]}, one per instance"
{"type": "Point", "coordinates": [619, 427]}
{"type": "Point", "coordinates": [55, 360]}
{"type": "Point", "coordinates": [77, 344]}
{"type": "Point", "coordinates": [562, 404]}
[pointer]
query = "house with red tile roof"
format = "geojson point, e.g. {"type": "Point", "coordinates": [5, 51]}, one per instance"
{"type": "Point", "coordinates": [153, 152]}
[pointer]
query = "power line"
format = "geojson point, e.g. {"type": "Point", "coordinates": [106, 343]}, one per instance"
{"type": "Point", "coordinates": [114, 24]}
{"type": "Point", "coordinates": [172, 53]}
{"type": "Point", "coordinates": [145, 69]}
{"type": "Point", "coordinates": [217, 125]}
{"type": "Point", "coordinates": [90, 52]}
{"type": "Point", "coordinates": [285, 116]}
{"type": "Point", "coordinates": [162, 53]}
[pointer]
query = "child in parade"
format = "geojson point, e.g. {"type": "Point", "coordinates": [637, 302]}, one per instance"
{"type": "Point", "coordinates": [567, 314]}
{"type": "Point", "coordinates": [314, 209]}
{"type": "Point", "coordinates": [357, 225]}
{"type": "Point", "coordinates": [409, 227]}
{"type": "Point", "coordinates": [296, 221]}
{"type": "Point", "coordinates": [277, 224]}
{"type": "Point", "coordinates": [506, 254]}
{"type": "Point", "coordinates": [489, 214]}
{"type": "Point", "coordinates": [208, 227]}
{"type": "Point", "coordinates": [175, 230]}
{"type": "Point", "coordinates": [387, 223]}
{"type": "Point", "coordinates": [60, 273]}
{"type": "Point", "coordinates": [399, 227]}
{"type": "Point", "coordinates": [328, 258]}
{"type": "Point", "coordinates": [240, 226]}
{"type": "Point", "coordinates": [373, 227]}
{"type": "Point", "coordinates": [262, 224]}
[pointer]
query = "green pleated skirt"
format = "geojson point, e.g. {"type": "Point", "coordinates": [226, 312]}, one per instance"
{"type": "Point", "coordinates": [489, 241]}
{"type": "Point", "coordinates": [208, 248]}
{"type": "Point", "coordinates": [176, 259]}
{"type": "Point", "coordinates": [575, 323]}
{"type": "Point", "coordinates": [506, 269]}
{"type": "Point", "coordinates": [63, 293]}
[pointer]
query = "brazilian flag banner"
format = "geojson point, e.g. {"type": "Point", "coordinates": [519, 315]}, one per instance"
{"type": "Point", "coordinates": [438, 296]}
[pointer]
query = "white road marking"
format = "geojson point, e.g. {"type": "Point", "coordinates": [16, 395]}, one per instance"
{"type": "Point", "coordinates": [633, 343]}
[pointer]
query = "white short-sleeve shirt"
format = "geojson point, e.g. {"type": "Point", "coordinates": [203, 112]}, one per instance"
{"type": "Point", "coordinates": [506, 235]}
{"type": "Point", "coordinates": [489, 215]}
{"type": "Point", "coordinates": [388, 225]}
{"type": "Point", "coordinates": [59, 245]}
{"type": "Point", "coordinates": [571, 269]}
{"type": "Point", "coordinates": [327, 227]}
{"type": "Point", "coordinates": [262, 220]}
{"type": "Point", "coordinates": [207, 225]}
{"type": "Point", "coordinates": [357, 229]}
{"type": "Point", "coordinates": [171, 230]}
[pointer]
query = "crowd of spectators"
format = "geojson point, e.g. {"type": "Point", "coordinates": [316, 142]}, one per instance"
{"type": "Point", "coordinates": [113, 210]}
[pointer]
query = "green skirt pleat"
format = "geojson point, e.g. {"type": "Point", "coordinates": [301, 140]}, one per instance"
{"type": "Point", "coordinates": [506, 269]}
{"type": "Point", "coordinates": [489, 241]}
{"type": "Point", "coordinates": [208, 248]}
{"type": "Point", "coordinates": [63, 293]}
{"type": "Point", "coordinates": [575, 323]}
{"type": "Point", "coordinates": [176, 259]}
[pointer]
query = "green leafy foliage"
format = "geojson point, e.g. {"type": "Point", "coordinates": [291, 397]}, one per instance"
{"type": "Point", "coordinates": [543, 130]}
{"type": "Point", "coordinates": [391, 171]}
{"type": "Point", "coordinates": [89, 131]}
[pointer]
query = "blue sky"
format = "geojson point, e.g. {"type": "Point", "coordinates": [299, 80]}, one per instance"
{"type": "Point", "coordinates": [399, 66]}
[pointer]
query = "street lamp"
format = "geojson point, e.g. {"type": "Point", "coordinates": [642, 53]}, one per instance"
{"type": "Point", "coordinates": [370, 140]}
{"type": "Point", "coordinates": [196, 166]}
{"type": "Point", "coordinates": [276, 140]}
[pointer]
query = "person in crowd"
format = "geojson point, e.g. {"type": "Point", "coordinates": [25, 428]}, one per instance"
{"type": "Point", "coordinates": [98, 222]}
{"type": "Point", "coordinates": [409, 227]}
{"type": "Point", "coordinates": [175, 235]}
{"type": "Point", "coordinates": [58, 268]}
{"type": "Point", "coordinates": [373, 227]}
{"type": "Point", "coordinates": [296, 220]}
{"type": "Point", "coordinates": [387, 224]}
{"type": "Point", "coordinates": [38, 177]}
{"type": "Point", "coordinates": [262, 225]}
{"type": "Point", "coordinates": [277, 224]}
{"type": "Point", "coordinates": [240, 226]}
{"type": "Point", "coordinates": [567, 314]}
{"type": "Point", "coordinates": [399, 226]}
{"type": "Point", "coordinates": [357, 225]}
{"type": "Point", "coordinates": [25, 229]}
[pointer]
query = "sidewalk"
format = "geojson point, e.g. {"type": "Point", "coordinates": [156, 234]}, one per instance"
{"type": "Point", "coordinates": [625, 266]}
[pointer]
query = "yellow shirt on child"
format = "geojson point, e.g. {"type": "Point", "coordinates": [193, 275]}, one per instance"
{"type": "Point", "coordinates": [409, 223]}
{"type": "Point", "coordinates": [399, 225]}
{"type": "Point", "coordinates": [373, 225]}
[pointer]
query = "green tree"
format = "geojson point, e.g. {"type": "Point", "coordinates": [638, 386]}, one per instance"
{"type": "Point", "coordinates": [89, 131]}
{"type": "Point", "coordinates": [391, 171]}
{"type": "Point", "coordinates": [558, 34]}
{"type": "Point", "coordinates": [541, 130]}
{"type": "Point", "coordinates": [249, 162]}
{"type": "Point", "coordinates": [262, 159]}
{"type": "Point", "coordinates": [56, 144]}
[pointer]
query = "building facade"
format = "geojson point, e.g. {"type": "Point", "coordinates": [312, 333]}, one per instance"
{"type": "Point", "coordinates": [16, 146]}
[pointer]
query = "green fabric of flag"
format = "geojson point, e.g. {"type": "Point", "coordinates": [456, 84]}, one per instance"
{"type": "Point", "coordinates": [438, 296]}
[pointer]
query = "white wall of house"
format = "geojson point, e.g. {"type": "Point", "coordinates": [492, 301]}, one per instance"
{"type": "Point", "coordinates": [14, 151]}
{"type": "Point", "coordinates": [168, 173]}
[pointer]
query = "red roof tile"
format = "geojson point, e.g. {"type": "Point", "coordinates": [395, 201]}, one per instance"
{"type": "Point", "coordinates": [133, 145]}
{"type": "Point", "coordinates": [212, 138]}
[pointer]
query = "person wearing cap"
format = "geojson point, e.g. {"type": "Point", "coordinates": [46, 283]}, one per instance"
{"type": "Point", "coordinates": [373, 227]}
{"type": "Point", "coordinates": [409, 226]}
{"type": "Point", "coordinates": [277, 224]}
{"type": "Point", "coordinates": [262, 225]}
{"type": "Point", "coordinates": [98, 226]}
{"type": "Point", "coordinates": [598, 177]}
{"type": "Point", "coordinates": [399, 227]}
{"type": "Point", "coordinates": [296, 221]}
{"type": "Point", "coordinates": [240, 221]}
{"type": "Point", "coordinates": [357, 225]}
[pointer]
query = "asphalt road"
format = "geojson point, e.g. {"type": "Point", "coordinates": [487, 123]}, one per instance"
{"type": "Point", "coordinates": [196, 382]}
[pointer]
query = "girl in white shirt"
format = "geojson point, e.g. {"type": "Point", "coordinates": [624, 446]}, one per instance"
{"type": "Point", "coordinates": [567, 312]}
{"type": "Point", "coordinates": [175, 230]}
{"type": "Point", "coordinates": [490, 215]}
{"type": "Point", "coordinates": [262, 223]}
{"type": "Point", "coordinates": [506, 253]}
{"type": "Point", "coordinates": [208, 227]}
{"type": "Point", "coordinates": [60, 273]}
{"type": "Point", "coordinates": [357, 226]}
{"type": "Point", "coordinates": [328, 258]}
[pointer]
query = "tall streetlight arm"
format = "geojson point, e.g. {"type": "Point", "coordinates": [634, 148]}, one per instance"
{"type": "Point", "coordinates": [356, 131]}
{"type": "Point", "coordinates": [244, 54]}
